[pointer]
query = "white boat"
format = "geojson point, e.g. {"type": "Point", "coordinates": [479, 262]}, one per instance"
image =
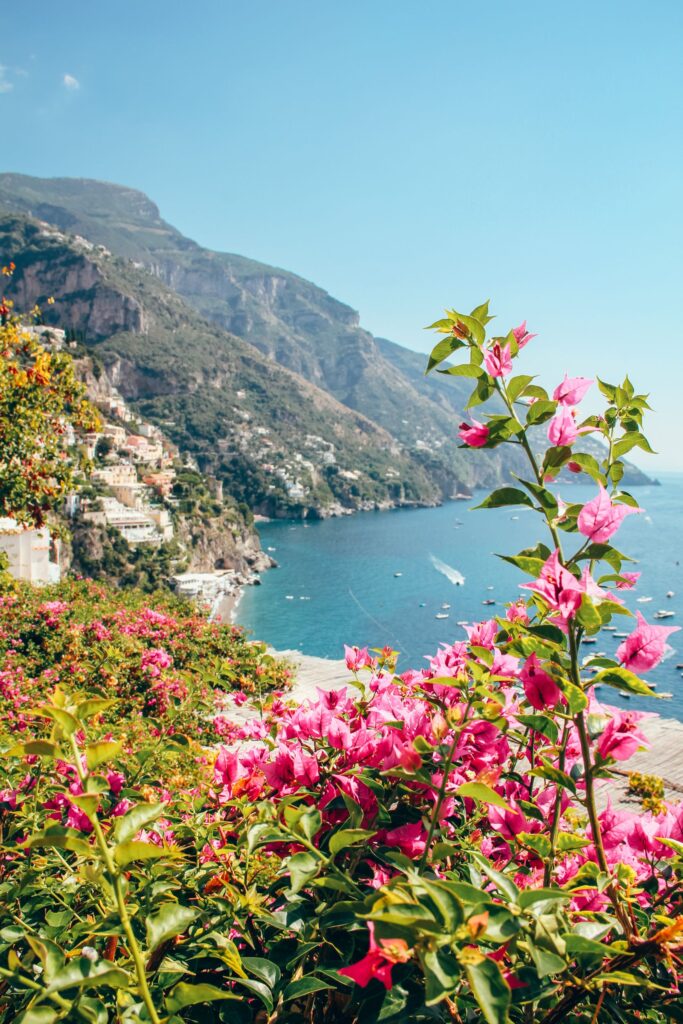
{"type": "Point", "coordinates": [441, 615]}
{"type": "Point", "coordinates": [621, 635]}
{"type": "Point", "coordinates": [589, 640]}
{"type": "Point", "coordinates": [397, 574]}
{"type": "Point", "coordinates": [670, 593]}
{"type": "Point", "coordinates": [488, 601]}
{"type": "Point", "coordinates": [451, 574]}
{"type": "Point", "coordinates": [445, 606]}
{"type": "Point", "coordinates": [610, 629]}
{"type": "Point", "coordinates": [643, 600]}
{"type": "Point", "coordinates": [662, 614]}
{"type": "Point", "coordinates": [463, 622]}
{"type": "Point", "coordinates": [289, 597]}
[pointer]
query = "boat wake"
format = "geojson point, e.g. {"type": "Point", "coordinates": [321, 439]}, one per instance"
{"type": "Point", "coordinates": [451, 574]}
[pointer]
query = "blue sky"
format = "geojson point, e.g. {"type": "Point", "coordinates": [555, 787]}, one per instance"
{"type": "Point", "coordinates": [405, 156]}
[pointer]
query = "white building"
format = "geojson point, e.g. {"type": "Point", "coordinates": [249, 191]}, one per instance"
{"type": "Point", "coordinates": [28, 552]}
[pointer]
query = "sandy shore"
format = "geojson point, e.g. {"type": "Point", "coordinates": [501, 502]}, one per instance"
{"type": "Point", "coordinates": [227, 607]}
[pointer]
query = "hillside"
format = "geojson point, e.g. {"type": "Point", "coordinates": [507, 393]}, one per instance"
{"type": "Point", "coordinates": [289, 320]}
{"type": "Point", "coordinates": [279, 444]}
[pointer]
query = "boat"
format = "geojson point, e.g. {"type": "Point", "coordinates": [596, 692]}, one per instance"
{"type": "Point", "coordinates": [488, 601]}
{"type": "Point", "coordinates": [626, 696]}
{"type": "Point", "coordinates": [670, 593]}
{"type": "Point", "coordinates": [610, 629]}
{"type": "Point", "coordinates": [589, 640]}
{"type": "Point", "coordinates": [397, 574]}
{"type": "Point", "coordinates": [441, 615]}
{"type": "Point", "coordinates": [621, 635]}
{"type": "Point", "coordinates": [662, 614]}
{"type": "Point", "coordinates": [461, 496]}
{"type": "Point", "coordinates": [445, 606]}
{"type": "Point", "coordinates": [271, 549]}
{"type": "Point", "coordinates": [423, 604]}
{"type": "Point", "coordinates": [666, 695]}
{"type": "Point", "coordinates": [464, 622]}
{"type": "Point", "coordinates": [514, 517]}
{"type": "Point", "coordinates": [451, 574]}
{"type": "Point", "coordinates": [289, 597]}
{"type": "Point", "coordinates": [643, 600]}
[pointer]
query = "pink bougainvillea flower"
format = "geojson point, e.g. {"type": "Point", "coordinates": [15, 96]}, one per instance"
{"type": "Point", "coordinates": [622, 737]}
{"type": "Point", "coordinates": [645, 647]}
{"type": "Point", "coordinates": [562, 429]}
{"type": "Point", "coordinates": [357, 658]}
{"type": "Point", "coordinates": [541, 689]}
{"type": "Point", "coordinates": [522, 336]}
{"type": "Point", "coordinates": [599, 519]}
{"type": "Point", "coordinates": [378, 961]}
{"type": "Point", "coordinates": [498, 360]}
{"type": "Point", "coordinates": [628, 580]}
{"type": "Point", "coordinates": [474, 434]}
{"type": "Point", "coordinates": [559, 589]}
{"type": "Point", "coordinates": [517, 613]}
{"type": "Point", "coordinates": [571, 390]}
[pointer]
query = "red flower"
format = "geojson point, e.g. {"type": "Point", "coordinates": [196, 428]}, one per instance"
{"type": "Point", "coordinates": [378, 961]}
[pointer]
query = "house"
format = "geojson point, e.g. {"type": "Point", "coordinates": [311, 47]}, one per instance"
{"type": "Point", "coordinates": [28, 552]}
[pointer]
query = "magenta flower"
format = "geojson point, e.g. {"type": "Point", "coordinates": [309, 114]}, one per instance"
{"type": "Point", "coordinates": [571, 390]}
{"type": "Point", "coordinates": [475, 434]}
{"type": "Point", "coordinates": [628, 580]}
{"type": "Point", "coordinates": [541, 689]}
{"type": "Point", "coordinates": [357, 658]}
{"type": "Point", "coordinates": [498, 361]}
{"type": "Point", "coordinates": [645, 647]}
{"type": "Point", "coordinates": [599, 519]}
{"type": "Point", "coordinates": [378, 961]}
{"type": "Point", "coordinates": [559, 589]}
{"type": "Point", "coordinates": [522, 336]}
{"type": "Point", "coordinates": [562, 429]}
{"type": "Point", "coordinates": [622, 737]}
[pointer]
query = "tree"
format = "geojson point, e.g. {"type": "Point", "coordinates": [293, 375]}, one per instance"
{"type": "Point", "coordinates": [41, 400]}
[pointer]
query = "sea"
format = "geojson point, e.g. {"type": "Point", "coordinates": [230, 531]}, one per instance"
{"type": "Point", "coordinates": [382, 578]}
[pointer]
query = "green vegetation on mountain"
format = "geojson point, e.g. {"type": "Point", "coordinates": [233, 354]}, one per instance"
{"type": "Point", "coordinates": [187, 370]}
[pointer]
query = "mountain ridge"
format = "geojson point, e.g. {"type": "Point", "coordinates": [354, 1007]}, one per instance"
{"type": "Point", "coordinates": [294, 323]}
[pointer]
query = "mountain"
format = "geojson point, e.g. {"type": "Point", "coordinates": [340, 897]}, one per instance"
{"type": "Point", "coordinates": [276, 322]}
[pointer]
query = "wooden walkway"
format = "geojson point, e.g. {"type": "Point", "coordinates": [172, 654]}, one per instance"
{"type": "Point", "coordinates": [664, 758]}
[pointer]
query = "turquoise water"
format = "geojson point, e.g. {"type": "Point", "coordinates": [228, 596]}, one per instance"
{"type": "Point", "coordinates": [336, 579]}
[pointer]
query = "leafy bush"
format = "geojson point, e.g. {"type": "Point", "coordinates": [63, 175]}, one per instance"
{"type": "Point", "coordinates": [431, 846]}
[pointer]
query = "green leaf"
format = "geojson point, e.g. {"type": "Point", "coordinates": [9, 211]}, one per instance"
{"type": "Point", "coordinates": [483, 793]}
{"type": "Point", "coordinates": [481, 313]}
{"type": "Point", "coordinates": [89, 708]}
{"type": "Point", "coordinates": [553, 774]}
{"type": "Point", "coordinates": [126, 853]}
{"type": "Point", "coordinates": [304, 986]}
{"type": "Point", "coordinates": [64, 719]}
{"type": "Point", "coordinates": [441, 975]}
{"type": "Point", "coordinates": [541, 723]}
{"type": "Point", "coordinates": [541, 411]}
{"type": "Point", "coordinates": [622, 679]}
{"type": "Point", "coordinates": [482, 392]}
{"type": "Point", "coordinates": [302, 867]}
{"type": "Point", "coordinates": [138, 817]}
{"type": "Point", "coordinates": [504, 496]}
{"type": "Point", "coordinates": [348, 837]}
{"type": "Point", "coordinates": [516, 386]}
{"type": "Point", "coordinates": [580, 944]}
{"type": "Point", "coordinates": [546, 962]}
{"type": "Point", "coordinates": [99, 753]}
{"type": "Point", "coordinates": [442, 350]}
{"type": "Point", "coordinates": [529, 897]}
{"type": "Point", "coordinates": [61, 839]}
{"type": "Point", "coordinates": [170, 920]}
{"type": "Point", "coordinates": [83, 973]}
{"type": "Point", "coordinates": [588, 615]}
{"type": "Point", "coordinates": [37, 1015]}
{"type": "Point", "coordinates": [41, 748]}
{"type": "Point", "coordinates": [191, 995]}
{"type": "Point", "coordinates": [265, 970]}
{"type": "Point", "coordinates": [464, 370]}
{"type": "Point", "coordinates": [589, 465]}
{"type": "Point", "coordinates": [474, 326]}
{"type": "Point", "coordinates": [490, 989]}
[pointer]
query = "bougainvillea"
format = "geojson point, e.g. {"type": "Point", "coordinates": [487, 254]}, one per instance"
{"type": "Point", "coordinates": [437, 844]}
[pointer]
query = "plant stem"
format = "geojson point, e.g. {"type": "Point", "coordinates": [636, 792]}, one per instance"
{"type": "Point", "coordinates": [115, 878]}
{"type": "Point", "coordinates": [434, 820]}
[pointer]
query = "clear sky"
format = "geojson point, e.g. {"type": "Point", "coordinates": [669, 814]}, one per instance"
{"type": "Point", "coordinates": [403, 155]}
